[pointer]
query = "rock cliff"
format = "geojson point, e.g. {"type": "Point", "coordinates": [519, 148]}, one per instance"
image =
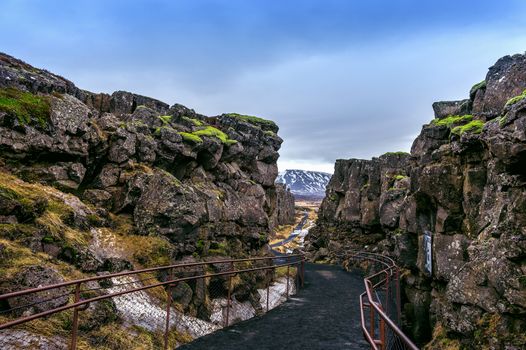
{"type": "Point", "coordinates": [96, 182]}
{"type": "Point", "coordinates": [465, 183]}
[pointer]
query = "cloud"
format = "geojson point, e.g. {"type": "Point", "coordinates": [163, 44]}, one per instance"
{"type": "Point", "coordinates": [342, 79]}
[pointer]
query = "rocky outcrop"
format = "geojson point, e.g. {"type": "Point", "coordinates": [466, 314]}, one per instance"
{"type": "Point", "coordinates": [284, 213]}
{"type": "Point", "coordinates": [465, 183]}
{"type": "Point", "coordinates": [100, 182]}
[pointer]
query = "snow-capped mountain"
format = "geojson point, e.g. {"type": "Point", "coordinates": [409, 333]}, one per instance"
{"type": "Point", "coordinates": [305, 183]}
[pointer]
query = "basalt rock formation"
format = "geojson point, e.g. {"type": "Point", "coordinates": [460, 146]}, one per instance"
{"type": "Point", "coordinates": [96, 182]}
{"type": "Point", "coordinates": [465, 183]}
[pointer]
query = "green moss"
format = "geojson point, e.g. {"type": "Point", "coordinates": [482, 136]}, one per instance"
{"type": "Point", "coordinates": [29, 109]}
{"type": "Point", "coordinates": [210, 131]}
{"type": "Point", "coordinates": [270, 133]}
{"type": "Point", "coordinates": [195, 122]}
{"type": "Point", "coordinates": [166, 119]}
{"type": "Point", "coordinates": [158, 130]}
{"type": "Point", "coordinates": [253, 120]}
{"type": "Point", "coordinates": [502, 120]}
{"type": "Point", "coordinates": [474, 127]}
{"type": "Point", "coordinates": [398, 153]}
{"type": "Point", "coordinates": [399, 177]}
{"type": "Point", "coordinates": [191, 137]}
{"type": "Point", "coordinates": [516, 99]}
{"type": "Point", "coordinates": [476, 87]}
{"type": "Point", "coordinates": [451, 120]}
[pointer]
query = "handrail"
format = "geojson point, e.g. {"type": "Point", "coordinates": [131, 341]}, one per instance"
{"type": "Point", "coordinates": [383, 333]}
{"type": "Point", "coordinates": [79, 304]}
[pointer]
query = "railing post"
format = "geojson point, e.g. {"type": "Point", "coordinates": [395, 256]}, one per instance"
{"type": "Point", "coordinates": [268, 281]}
{"type": "Point", "coordinates": [398, 301]}
{"type": "Point", "coordinates": [168, 309]}
{"type": "Point", "coordinates": [288, 270]}
{"type": "Point", "coordinates": [387, 291]}
{"type": "Point", "coordinates": [302, 272]}
{"type": "Point", "coordinates": [75, 325]}
{"type": "Point", "coordinates": [382, 333]}
{"type": "Point", "coordinates": [229, 295]}
{"type": "Point", "coordinates": [372, 325]}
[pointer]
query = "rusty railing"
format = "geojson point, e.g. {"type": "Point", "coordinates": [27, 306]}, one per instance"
{"type": "Point", "coordinates": [178, 294]}
{"type": "Point", "coordinates": [380, 303]}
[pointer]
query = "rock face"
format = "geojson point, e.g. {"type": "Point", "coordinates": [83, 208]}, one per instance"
{"type": "Point", "coordinates": [96, 183]}
{"type": "Point", "coordinates": [178, 173]}
{"type": "Point", "coordinates": [285, 211]}
{"type": "Point", "coordinates": [465, 183]}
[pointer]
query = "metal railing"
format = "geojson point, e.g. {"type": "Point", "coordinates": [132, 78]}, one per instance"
{"type": "Point", "coordinates": [380, 302]}
{"type": "Point", "coordinates": [175, 294]}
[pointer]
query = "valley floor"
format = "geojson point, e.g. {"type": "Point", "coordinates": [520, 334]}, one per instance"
{"type": "Point", "coordinates": [323, 315]}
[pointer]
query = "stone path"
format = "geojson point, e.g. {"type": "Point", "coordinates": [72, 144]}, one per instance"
{"type": "Point", "coordinates": [324, 315]}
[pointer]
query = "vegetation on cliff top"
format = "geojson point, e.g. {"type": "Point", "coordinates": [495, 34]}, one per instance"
{"type": "Point", "coordinates": [516, 99]}
{"type": "Point", "coordinates": [474, 126]}
{"type": "Point", "coordinates": [253, 120]}
{"type": "Point", "coordinates": [451, 120]}
{"type": "Point", "coordinates": [25, 106]}
{"type": "Point", "coordinates": [476, 87]}
{"type": "Point", "coordinates": [210, 131]}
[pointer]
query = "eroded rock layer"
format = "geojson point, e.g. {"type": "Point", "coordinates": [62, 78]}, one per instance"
{"type": "Point", "coordinates": [465, 183]}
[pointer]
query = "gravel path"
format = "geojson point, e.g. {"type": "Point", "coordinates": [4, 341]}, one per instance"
{"type": "Point", "coordinates": [324, 315]}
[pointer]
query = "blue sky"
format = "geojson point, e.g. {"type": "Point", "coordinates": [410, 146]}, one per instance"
{"type": "Point", "coordinates": [343, 79]}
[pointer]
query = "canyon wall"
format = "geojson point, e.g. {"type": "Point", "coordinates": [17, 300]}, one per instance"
{"type": "Point", "coordinates": [464, 183]}
{"type": "Point", "coordinates": [91, 183]}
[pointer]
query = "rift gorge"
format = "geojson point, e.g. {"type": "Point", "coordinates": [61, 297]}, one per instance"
{"type": "Point", "coordinates": [129, 223]}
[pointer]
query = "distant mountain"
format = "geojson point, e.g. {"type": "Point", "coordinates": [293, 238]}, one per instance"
{"type": "Point", "coordinates": [304, 183]}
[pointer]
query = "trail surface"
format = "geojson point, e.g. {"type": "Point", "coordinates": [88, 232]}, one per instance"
{"type": "Point", "coordinates": [323, 315]}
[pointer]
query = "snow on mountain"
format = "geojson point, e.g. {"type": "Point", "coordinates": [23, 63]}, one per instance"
{"type": "Point", "coordinates": [304, 182]}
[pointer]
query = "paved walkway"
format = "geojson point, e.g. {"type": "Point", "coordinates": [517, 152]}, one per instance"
{"type": "Point", "coordinates": [324, 315]}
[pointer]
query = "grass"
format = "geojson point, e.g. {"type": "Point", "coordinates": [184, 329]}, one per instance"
{"type": "Point", "coordinates": [195, 122]}
{"type": "Point", "coordinates": [451, 120]}
{"type": "Point", "coordinates": [166, 119]}
{"type": "Point", "coordinates": [516, 99]}
{"type": "Point", "coordinates": [476, 87]}
{"type": "Point", "coordinates": [189, 137]}
{"type": "Point", "coordinates": [253, 120]}
{"type": "Point", "coordinates": [210, 131]}
{"type": "Point", "coordinates": [27, 107]}
{"type": "Point", "coordinates": [398, 153]}
{"type": "Point", "coordinates": [474, 127]}
{"type": "Point", "coordinates": [399, 177]}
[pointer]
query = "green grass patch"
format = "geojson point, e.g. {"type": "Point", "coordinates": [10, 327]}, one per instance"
{"type": "Point", "coordinates": [476, 87]}
{"type": "Point", "coordinates": [254, 120]}
{"type": "Point", "coordinates": [210, 131]}
{"type": "Point", "coordinates": [451, 120]}
{"type": "Point", "coordinates": [398, 153]}
{"type": "Point", "coordinates": [191, 137]}
{"type": "Point", "coordinates": [195, 122]}
{"type": "Point", "coordinates": [166, 119]}
{"type": "Point", "coordinates": [474, 127]}
{"type": "Point", "coordinates": [399, 177]}
{"type": "Point", "coordinates": [516, 99]}
{"type": "Point", "coordinates": [27, 107]}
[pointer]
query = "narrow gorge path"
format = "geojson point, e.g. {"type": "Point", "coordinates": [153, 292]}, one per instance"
{"type": "Point", "coordinates": [323, 315]}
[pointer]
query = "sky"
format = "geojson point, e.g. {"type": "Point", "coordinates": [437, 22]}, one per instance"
{"type": "Point", "coordinates": [341, 78]}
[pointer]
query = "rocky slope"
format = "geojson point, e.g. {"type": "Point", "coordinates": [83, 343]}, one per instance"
{"type": "Point", "coordinates": [304, 183]}
{"type": "Point", "coordinates": [465, 182]}
{"type": "Point", "coordinates": [96, 182]}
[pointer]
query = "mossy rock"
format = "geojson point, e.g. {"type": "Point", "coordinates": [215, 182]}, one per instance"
{"type": "Point", "coordinates": [28, 108]}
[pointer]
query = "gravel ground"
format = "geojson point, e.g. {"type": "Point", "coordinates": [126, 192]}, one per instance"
{"type": "Point", "coordinates": [323, 315]}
